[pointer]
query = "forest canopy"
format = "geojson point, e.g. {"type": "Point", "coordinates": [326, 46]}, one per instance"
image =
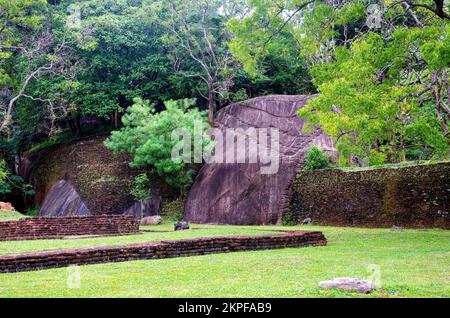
{"type": "Point", "coordinates": [377, 71]}
{"type": "Point", "coordinates": [380, 68]}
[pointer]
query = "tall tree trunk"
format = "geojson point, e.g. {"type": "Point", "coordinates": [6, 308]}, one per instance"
{"type": "Point", "coordinates": [72, 127]}
{"type": "Point", "coordinates": [104, 122]}
{"type": "Point", "coordinates": [78, 125]}
{"type": "Point", "coordinates": [441, 109]}
{"type": "Point", "coordinates": [115, 119]}
{"type": "Point", "coordinates": [211, 104]}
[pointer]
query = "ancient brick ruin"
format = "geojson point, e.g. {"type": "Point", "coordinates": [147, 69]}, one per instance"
{"type": "Point", "coordinates": [163, 249]}
{"type": "Point", "coordinates": [50, 228]}
{"type": "Point", "coordinates": [416, 196]}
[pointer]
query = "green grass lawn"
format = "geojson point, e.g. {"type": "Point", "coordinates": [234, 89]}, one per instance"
{"type": "Point", "coordinates": [10, 215]}
{"type": "Point", "coordinates": [413, 263]}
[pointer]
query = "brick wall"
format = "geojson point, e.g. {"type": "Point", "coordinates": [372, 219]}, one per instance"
{"type": "Point", "coordinates": [48, 228]}
{"type": "Point", "coordinates": [163, 249]}
{"type": "Point", "coordinates": [415, 196]}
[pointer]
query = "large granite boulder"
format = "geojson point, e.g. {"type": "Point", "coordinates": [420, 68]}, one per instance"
{"type": "Point", "coordinates": [63, 200]}
{"type": "Point", "coordinates": [238, 193]}
{"type": "Point", "coordinates": [145, 208]}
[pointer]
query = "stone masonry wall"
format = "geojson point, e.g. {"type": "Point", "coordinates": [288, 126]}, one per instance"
{"type": "Point", "coordinates": [163, 249]}
{"type": "Point", "coordinates": [415, 196]}
{"type": "Point", "coordinates": [47, 228]}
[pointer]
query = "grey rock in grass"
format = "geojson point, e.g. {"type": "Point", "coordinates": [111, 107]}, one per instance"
{"type": "Point", "coordinates": [151, 220]}
{"type": "Point", "coordinates": [307, 221]}
{"type": "Point", "coordinates": [180, 226]}
{"type": "Point", "coordinates": [362, 286]}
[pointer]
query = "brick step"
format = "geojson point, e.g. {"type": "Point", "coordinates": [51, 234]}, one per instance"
{"type": "Point", "coordinates": [45, 228]}
{"type": "Point", "coordinates": [163, 249]}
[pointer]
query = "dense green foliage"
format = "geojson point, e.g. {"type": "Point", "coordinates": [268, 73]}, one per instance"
{"type": "Point", "coordinates": [10, 182]}
{"type": "Point", "coordinates": [4, 185]}
{"type": "Point", "coordinates": [140, 190]}
{"type": "Point", "coordinates": [17, 18]}
{"type": "Point", "coordinates": [105, 53]}
{"type": "Point", "coordinates": [316, 159]}
{"type": "Point", "coordinates": [381, 72]}
{"type": "Point", "coordinates": [120, 44]}
{"type": "Point", "coordinates": [383, 90]}
{"type": "Point", "coordinates": [147, 136]}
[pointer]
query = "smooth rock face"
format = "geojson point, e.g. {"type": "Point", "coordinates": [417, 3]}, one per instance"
{"type": "Point", "coordinates": [151, 220]}
{"type": "Point", "coordinates": [238, 193]}
{"type": "Point", "coordinates": [63, 200]}
{"type": "Point", "coordinates": [143, 209]}
{"type": "Point", "coordinates": [348, 284]}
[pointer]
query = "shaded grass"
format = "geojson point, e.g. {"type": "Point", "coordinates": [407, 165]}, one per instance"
{"type": "Point", "coordinates": [413, 263]}
{"type": "Point", "coordinates": [51, 141]}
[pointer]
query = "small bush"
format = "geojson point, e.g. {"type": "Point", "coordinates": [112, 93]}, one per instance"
{"type": "Point", "coordinates": [33, 212]}
{"type": "Point", "coordinates": [140, 189]}
{"type": "Point", "coordinates": [316, 159]}
{"type": "Point", "coordinates": [289, 219]}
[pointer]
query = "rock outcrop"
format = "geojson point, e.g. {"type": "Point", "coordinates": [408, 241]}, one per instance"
{"type": "Point", "coordinates": [83, 177]}
{"type": "Point", "coordinates": [6, 206]}
{"type": "Point", "coordinates": [63, 200]}
{"type": "Point", "coordinates": [142, 209]}
{"type": "Point", "coordinates": [238, 193]}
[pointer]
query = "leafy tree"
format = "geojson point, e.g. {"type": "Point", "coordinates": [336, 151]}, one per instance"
{"type": "Point", "coordinates": [376, 84]}
{"type": "Point", "coordinates": [316, 159]}
{"type": "Point", "coordinates": [119, 43]}
{"type": "Point", "coordinates": [34, 50]}
{"type": "Point", "coordinates": [267, 46]}
{"type": "Point", "coordinates": [147, 136]}
{"type": "Point", "coordinates": [198, 36]}
{"type": "Point", "coordinates": [140, 190]}
{"type": "Point", "coordinates": [5, 187]}
{"type": "Point", "coordinates": [17, 18]}
{"type": "Point", "coordinates": [116, 54]}
{"type": "Point", "coordinates": [375, 89]}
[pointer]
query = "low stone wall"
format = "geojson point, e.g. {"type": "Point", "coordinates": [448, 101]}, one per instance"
{"type": "Point", "coordinates": [415, 196]}
{"type": "Point", "coordinates": [49, 228]}
{"type": "Point", "coordinates": [163, 249]}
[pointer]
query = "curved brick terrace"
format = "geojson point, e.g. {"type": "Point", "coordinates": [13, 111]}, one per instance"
{"type": "Point", "coordinates": [158, 250]}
